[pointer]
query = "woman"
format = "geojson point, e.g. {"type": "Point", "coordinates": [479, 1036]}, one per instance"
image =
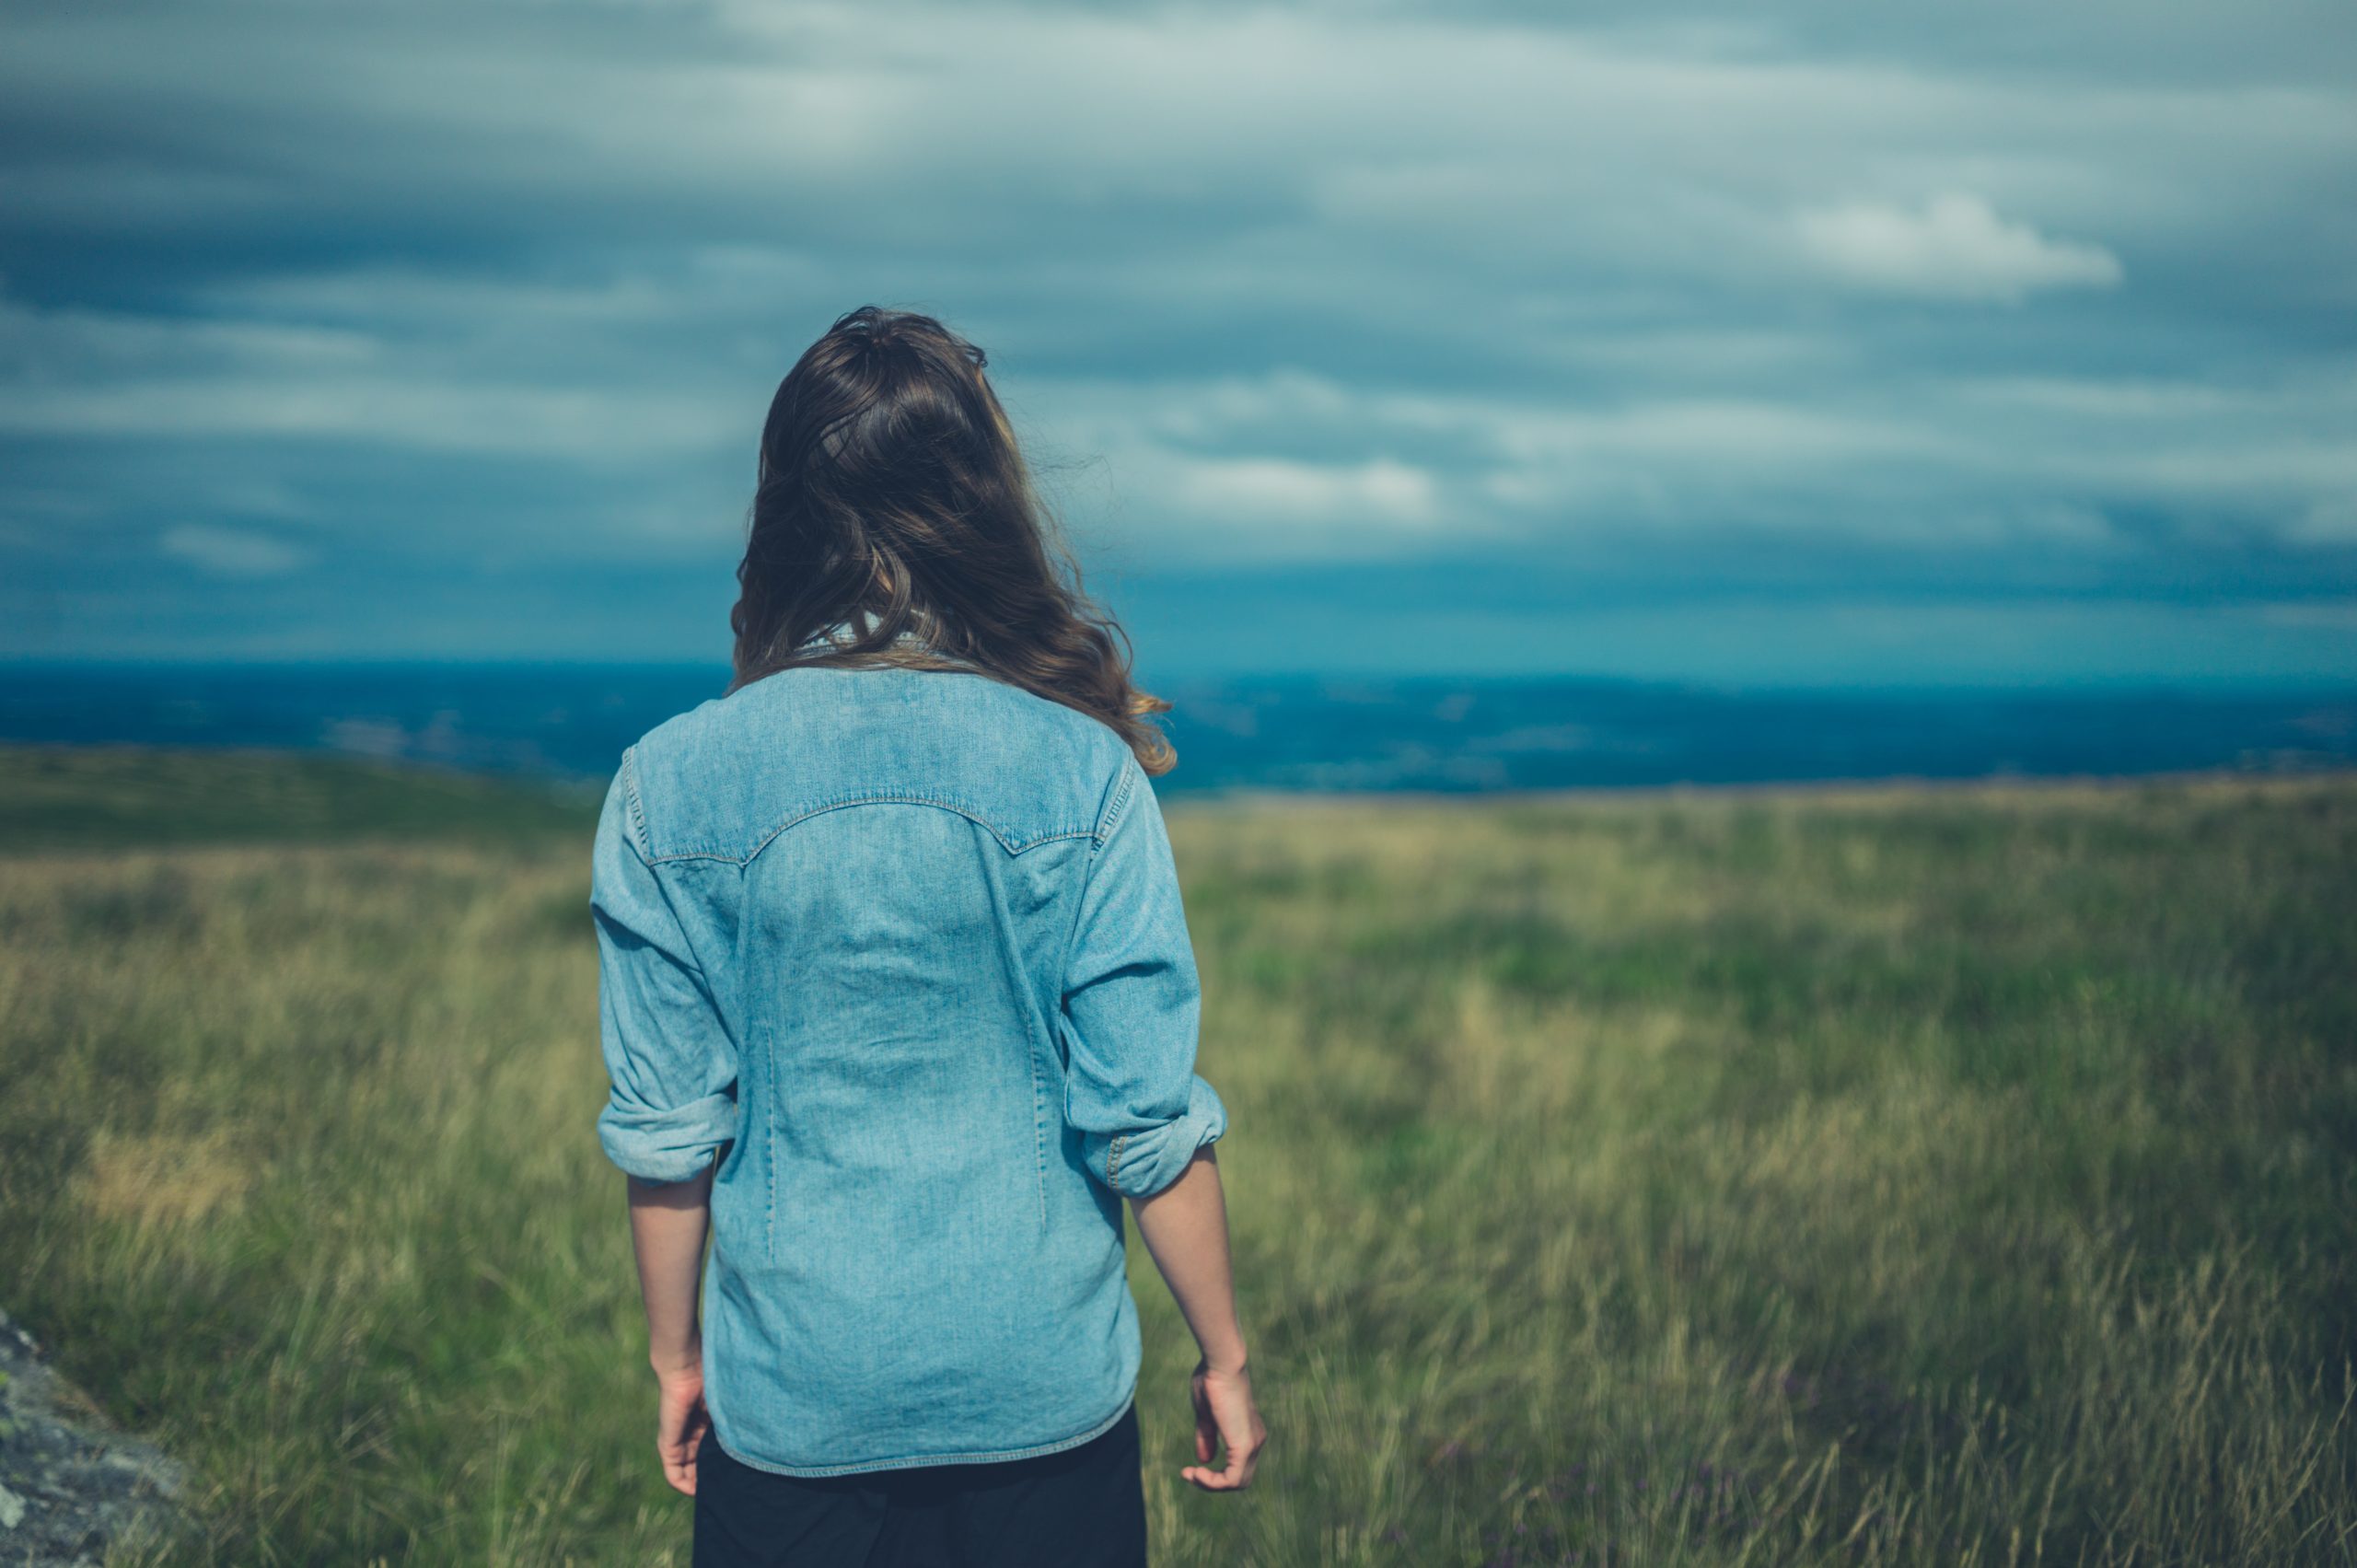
{"type": "Point", "coordinates": [896, 999]}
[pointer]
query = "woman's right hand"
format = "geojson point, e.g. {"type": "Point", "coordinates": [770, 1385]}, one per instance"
{"type": "Point", "coordinates": [680, 1421]}
{"type": "Point", "coordinates": [1225, 1413]}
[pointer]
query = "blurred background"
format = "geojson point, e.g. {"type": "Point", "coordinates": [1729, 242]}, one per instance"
{"type": "Point", "coordinates": [1445, 397]}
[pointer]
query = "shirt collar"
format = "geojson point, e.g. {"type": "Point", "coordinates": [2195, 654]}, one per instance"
{"type": "Point", "coordinates": [847, 631]}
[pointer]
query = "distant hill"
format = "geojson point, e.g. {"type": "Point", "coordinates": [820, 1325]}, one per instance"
{"type": "Point", "coordinates": [105, 796]}
{"type": "Point", "coordinates": [1433, 733]}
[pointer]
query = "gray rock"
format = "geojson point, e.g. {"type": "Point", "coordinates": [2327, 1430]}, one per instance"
{"type": "Point", "coordinates": [70, 1485]}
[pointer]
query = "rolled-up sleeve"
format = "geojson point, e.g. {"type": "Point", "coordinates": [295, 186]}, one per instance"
{"type": "Point", "coordinates": [669, 1056]}
{"type": "Point", "coordinates": [1131, 1007]}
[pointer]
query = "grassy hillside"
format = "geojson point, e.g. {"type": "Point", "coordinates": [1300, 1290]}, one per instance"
{"type": "Point", "coordinates": [116, 797]}
{"type": "Point", "coordinates": [1849, 1178]}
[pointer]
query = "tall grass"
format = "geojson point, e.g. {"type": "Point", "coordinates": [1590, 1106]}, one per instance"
{"type": "Point", "coordinates": [1879, 1177]}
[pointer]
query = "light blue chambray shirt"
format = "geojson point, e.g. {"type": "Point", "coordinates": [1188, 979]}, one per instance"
{"type": "Point", "coordinates": [906, 948]}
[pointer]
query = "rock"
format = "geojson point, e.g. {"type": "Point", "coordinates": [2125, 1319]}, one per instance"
{"type": "Point", "coordinates": [70, 1486]}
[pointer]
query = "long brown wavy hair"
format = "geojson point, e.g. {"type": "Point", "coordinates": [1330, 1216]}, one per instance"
{"type": "Point", "coordinates": [892, 492]}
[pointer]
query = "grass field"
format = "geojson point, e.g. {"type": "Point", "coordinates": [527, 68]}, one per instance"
{"type": "Point", "coordinates": [1962, 1176]}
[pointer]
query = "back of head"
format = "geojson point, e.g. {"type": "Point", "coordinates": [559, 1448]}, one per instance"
{"type": "Point", "coordinates": [892, 496]}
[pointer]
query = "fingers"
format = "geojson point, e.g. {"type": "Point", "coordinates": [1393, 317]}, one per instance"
{"type": "Point", "coordinates": [1236, 1478]}
{"type": "Point", "coordinates": [1243, 1459]}
{"type": "Point", "coordinates": [679, 1462]}
{"type": "Point", "coordinates": [678, 1433]}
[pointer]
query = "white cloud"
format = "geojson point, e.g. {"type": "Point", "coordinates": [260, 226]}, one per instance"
{"type": "Point", "coordinates": [422, 412]}
{"type": "Point", "coordinates": [1923, 458]}
{"type": "Point", "coordinates": [97, 373]}
{"type": "Point", "coordinates": [231, 552]}
{"type": "Point", "coordinates": [2079, 397]}
{"type": "Point", "coordinates": [1323, 279]}
{"type": "Point", "coordinates": [1753, 435]}
{"type": "Point", "coordinates": [1276, 488]}
{"type": "Point", "coordinates": [1955, 247]}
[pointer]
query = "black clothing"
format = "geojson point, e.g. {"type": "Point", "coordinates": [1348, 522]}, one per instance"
{"type": "Point", "coordinates": [1082, 1508]}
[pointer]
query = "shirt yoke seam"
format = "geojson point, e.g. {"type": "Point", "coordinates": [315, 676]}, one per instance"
{"type": "Point", "coordinates": [1014, 843]}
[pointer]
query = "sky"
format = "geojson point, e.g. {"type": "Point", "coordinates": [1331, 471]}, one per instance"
{"type": "Point", "coordinates": [1770, 344]}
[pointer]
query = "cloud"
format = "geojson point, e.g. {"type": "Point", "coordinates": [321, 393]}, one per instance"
{"type": "Point", "coordinates": [231, 552]}
{"type": "Point", "coordinates": [1955, 247]}
{"type": "Point", "coordinates": [118, 374]}
{"type": "Point", "coordinates": [1339, 285]}
{"type": "Point", "coordinates": [426, 413]}
{"type": "Point", "coordinates": [1235, 466]}
{"type": "Point", "coordinates": [2328, 522]}
{"type": "Point", "coordinates": [1381, 490]}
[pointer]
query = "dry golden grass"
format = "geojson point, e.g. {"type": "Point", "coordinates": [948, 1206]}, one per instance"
{"type": "Point", "coordinates": [1959, 1177]}
{"type": "Point", "coordinates": [165, 1180]}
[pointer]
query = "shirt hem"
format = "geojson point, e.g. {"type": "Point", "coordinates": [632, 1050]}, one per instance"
{"type": "Point", "coordinates": [867, 1466]}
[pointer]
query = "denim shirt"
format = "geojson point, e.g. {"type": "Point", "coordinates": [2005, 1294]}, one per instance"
{"type": "Point", "coordinates": [905, 949]}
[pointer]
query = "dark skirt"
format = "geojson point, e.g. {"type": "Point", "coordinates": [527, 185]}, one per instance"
{"type": "Point", "coordinates": [1082, 1508]}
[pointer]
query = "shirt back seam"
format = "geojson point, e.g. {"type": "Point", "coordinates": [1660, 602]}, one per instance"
{"type": "Point", "coordinates": [1013, 843]}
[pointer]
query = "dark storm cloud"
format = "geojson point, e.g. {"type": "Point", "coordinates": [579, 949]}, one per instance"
{"type": "Point", "coordinates": [449, 329]}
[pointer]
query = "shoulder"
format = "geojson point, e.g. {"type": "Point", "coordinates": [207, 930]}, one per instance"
{"type": "Point", "coordinates": [896, 715]}
{"type": "Point", "coordinates": [721, 778]}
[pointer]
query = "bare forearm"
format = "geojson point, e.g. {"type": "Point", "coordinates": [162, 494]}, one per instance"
{"type": "Point", "coordinates": [1185, 1229]}
{"type": "Point", "coordinates": [667, 1223]}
